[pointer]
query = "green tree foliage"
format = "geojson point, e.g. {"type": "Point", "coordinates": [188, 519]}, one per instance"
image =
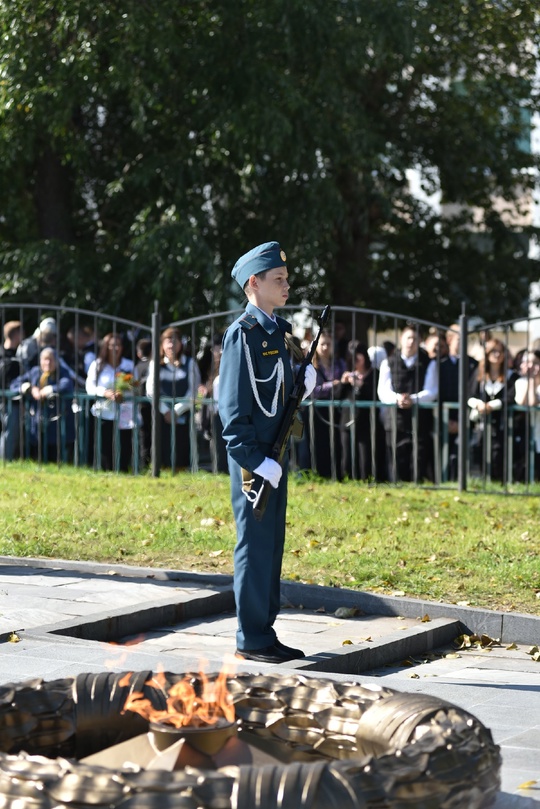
{"type": "Point", "coordinates": [144, 146]}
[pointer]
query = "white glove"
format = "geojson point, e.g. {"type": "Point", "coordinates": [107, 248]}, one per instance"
{"type": "Point", "coordinates": [310, 379]}
{"type": "Point", "coordinates": [271, 471]}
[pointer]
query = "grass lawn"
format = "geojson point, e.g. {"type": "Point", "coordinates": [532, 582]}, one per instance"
{"type": "Point", "coordinates": [478, 549]}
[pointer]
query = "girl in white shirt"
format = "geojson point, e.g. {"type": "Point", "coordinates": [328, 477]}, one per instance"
{"type": "Point", "coordinates": [110, 377]}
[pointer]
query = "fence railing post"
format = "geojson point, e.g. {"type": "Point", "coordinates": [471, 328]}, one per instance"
{"type": "Point", "coordinates": [156, 416]}
{"type": "Point", "coordinates": [463, 421]}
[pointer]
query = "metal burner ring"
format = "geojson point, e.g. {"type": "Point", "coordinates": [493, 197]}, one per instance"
{"type": "Point", "coordinates": [350, 746]}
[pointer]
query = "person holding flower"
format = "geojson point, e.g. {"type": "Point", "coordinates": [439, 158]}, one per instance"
{"type": "Point", "coordinates": [179, 380]}
{"type": "Point", "coordinates": [110, 378]}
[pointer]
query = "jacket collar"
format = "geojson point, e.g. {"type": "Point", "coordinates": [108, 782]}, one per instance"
{"type": "Point", "coordinates": [262, 318]}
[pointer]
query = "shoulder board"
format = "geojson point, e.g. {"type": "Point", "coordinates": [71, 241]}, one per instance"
{"type": "Point", "coordinates": [248, 322]}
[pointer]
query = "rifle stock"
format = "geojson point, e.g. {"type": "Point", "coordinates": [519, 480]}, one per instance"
{"type": "Point", "coordinates": [289, 416]}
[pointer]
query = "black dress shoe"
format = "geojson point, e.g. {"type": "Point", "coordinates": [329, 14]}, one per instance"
{"type": "Point", "coordinates": [268, 654]}
{"type": "Point", "coordinates": [290, 651]}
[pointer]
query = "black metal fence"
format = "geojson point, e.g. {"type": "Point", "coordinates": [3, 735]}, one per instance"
{"type": "Point", "coordinates": [350, 431]}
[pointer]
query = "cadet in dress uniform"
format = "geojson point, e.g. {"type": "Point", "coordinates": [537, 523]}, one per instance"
{"type": "Point", "coordinates": [255, 381]}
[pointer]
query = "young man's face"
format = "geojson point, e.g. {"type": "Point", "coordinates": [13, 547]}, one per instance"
{"type": "Point", "coordinates": [271, 290]}
{"type": "Point", "coordinates": [453, 343]}
{"type": "Point", "coordinates": [408, 342]}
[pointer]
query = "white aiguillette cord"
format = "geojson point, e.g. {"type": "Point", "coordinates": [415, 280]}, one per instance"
{"type": "Point", "coordinates": [278, 372]}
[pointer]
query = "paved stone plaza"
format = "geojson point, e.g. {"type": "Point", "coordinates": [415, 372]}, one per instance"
{"type": "Point", "coordinates": [66, 614]}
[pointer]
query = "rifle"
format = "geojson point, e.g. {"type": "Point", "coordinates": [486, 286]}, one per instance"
{"type": "Point", "coordinates": [289, 416]}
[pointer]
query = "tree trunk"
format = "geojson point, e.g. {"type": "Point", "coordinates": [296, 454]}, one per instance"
{"type": "Point", "coordinates": [52, 198]}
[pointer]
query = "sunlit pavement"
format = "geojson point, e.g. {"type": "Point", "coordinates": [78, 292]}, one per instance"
{"type": "Point", "coordinates": [58, 619]}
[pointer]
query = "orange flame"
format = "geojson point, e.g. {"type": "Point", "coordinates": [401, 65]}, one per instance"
{"type": "Point", "coordinates": [184, 705]}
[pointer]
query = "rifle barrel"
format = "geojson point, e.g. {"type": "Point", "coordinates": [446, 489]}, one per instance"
{"type": "Point", "coordinates": [289, 415]}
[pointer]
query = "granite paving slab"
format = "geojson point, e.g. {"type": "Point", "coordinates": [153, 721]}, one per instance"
{"type": "Point", "coordinates": [501, 687]}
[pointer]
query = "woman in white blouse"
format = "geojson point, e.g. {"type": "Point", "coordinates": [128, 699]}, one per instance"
{"type": "Point", "coordinates": [110, 378]}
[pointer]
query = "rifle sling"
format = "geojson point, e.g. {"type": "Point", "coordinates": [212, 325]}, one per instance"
{"type": "Point", "coordinates": [247, 480]}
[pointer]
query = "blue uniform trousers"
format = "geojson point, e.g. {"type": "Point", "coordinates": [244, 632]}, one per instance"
{"type": "Point", "coordinates": [257, 561]}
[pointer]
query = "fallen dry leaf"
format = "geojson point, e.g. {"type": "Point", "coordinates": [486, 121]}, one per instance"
{"type": "Point", "coordinates": [480, 641]}
{"type": "Point", "coordinates": [346, 612]}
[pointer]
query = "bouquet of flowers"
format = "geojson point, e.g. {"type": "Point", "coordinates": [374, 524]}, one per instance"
{"type": "Point", "coordinates": [125, 383]}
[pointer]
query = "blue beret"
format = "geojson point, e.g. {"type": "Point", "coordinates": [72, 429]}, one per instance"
{"type": "Point", "coordinates": [266, 256]}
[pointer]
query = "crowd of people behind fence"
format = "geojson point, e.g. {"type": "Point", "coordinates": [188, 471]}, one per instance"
{"type": "Point", "coordinates": [377, 413]}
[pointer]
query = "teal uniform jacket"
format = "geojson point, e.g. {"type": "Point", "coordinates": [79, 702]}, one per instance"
{"type": "Point", "coordinates": [255, 381]}
{"type": "Point", "coordinates": [243, 396]}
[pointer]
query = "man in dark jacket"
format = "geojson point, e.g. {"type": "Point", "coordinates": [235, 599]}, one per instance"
{"type": "Point", "coordinates": [406, 380]}
{"type": "Point", "coordinates": [449, 392]}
